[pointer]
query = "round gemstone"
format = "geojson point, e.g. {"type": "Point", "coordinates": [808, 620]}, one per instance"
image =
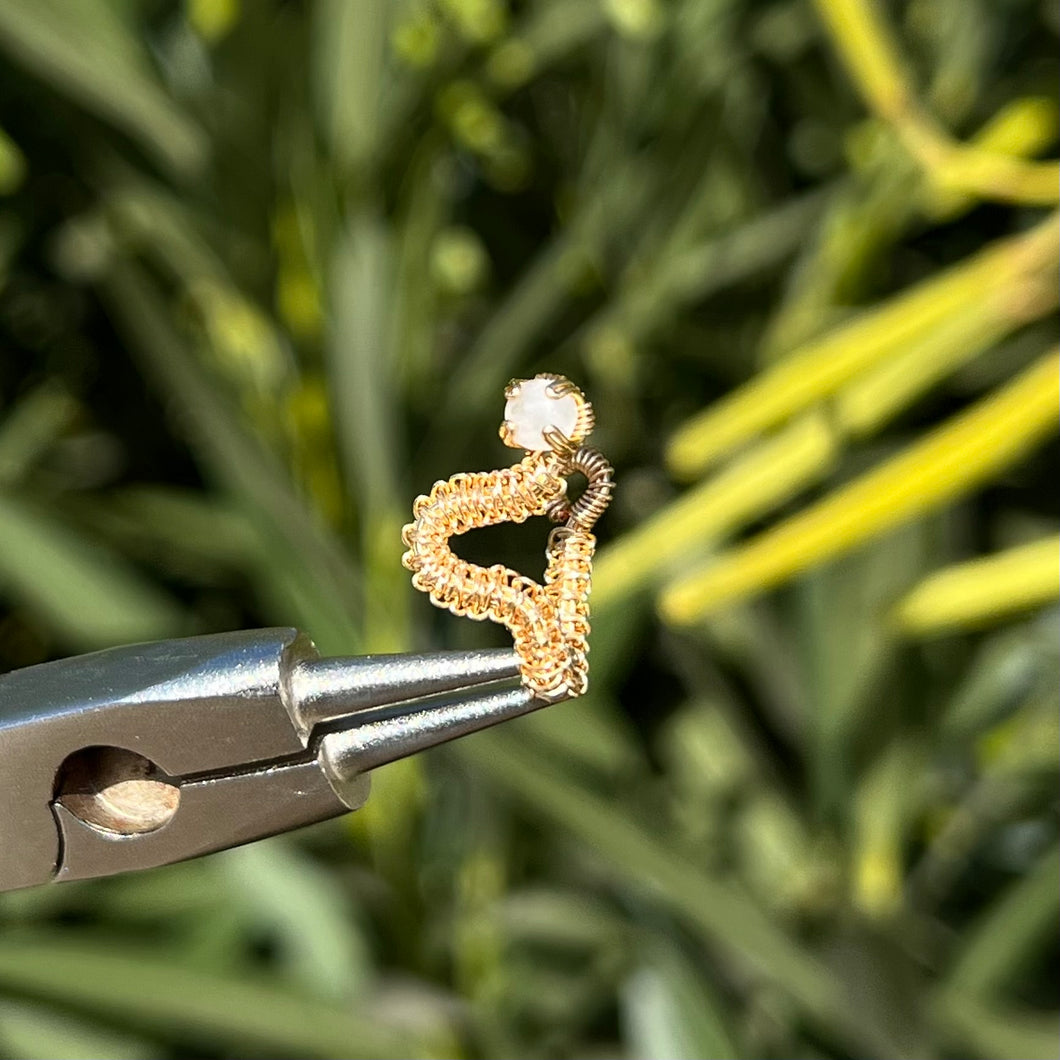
{"type": "Point", "coordinates": [532, 410]}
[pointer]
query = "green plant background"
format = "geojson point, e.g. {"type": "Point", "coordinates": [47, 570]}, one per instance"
{"type": "Point", "coordinates": [265, 268]}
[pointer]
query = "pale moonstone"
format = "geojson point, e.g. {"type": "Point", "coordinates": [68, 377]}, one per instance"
{"type": "Point", "coordinates": [532, 410]}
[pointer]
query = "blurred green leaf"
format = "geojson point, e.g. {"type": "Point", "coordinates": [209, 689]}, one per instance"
{"type": "Point", "coordinates": [1003, 670]}
{"type": "Point", "coordinates": [135, 984]}
{"type": "Point", "coordinates": [88, 594]}
{"type": "Point", "coordinates": [668, 1014]}
{"type": "Point", "coordinates": [30, 428]}
{"type": "Point", "coordinates": [349, 68]}
{"type": "Point", "coordinates": [326, 591]}
{"type": "Point", "coordinates": [283, 891]}
{"type": "Point", "coordinates": [991, 1031]}
{"type": "Point", "coordinates": [722, 912]}
{"type": "Point", "coordinates": [83, 48]}
{"type": "Point", "coordinates": [36, 1031]}
{"type": "Point", "coordinates": [1010, 934]}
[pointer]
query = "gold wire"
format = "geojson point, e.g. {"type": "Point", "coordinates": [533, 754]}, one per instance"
{"type": "Point", "coordinates": [549, 623]}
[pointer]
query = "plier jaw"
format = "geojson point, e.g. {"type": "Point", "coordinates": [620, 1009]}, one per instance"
{"type": "Point", "coordinates": [149, 754]}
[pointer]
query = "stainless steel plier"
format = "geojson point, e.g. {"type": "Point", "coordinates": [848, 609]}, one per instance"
{"type": "Point", "coordinates": [144, 755]}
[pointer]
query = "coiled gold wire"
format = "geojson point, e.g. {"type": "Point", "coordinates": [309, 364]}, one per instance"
{"type": "Point", "coordinates": [597, 494]}
{"type": "Point", "coordinates": [549, 623]}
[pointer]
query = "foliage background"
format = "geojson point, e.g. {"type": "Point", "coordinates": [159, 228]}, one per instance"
{"type": "Point", "coordinates": [264, 270]}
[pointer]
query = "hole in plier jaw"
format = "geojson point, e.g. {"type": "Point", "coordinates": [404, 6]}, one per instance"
{"type": "Point", "coordinates": [115, 790]}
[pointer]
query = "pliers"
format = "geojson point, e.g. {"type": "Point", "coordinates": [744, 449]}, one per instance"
{"type": "Point", "coordinates": [144, 755]}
